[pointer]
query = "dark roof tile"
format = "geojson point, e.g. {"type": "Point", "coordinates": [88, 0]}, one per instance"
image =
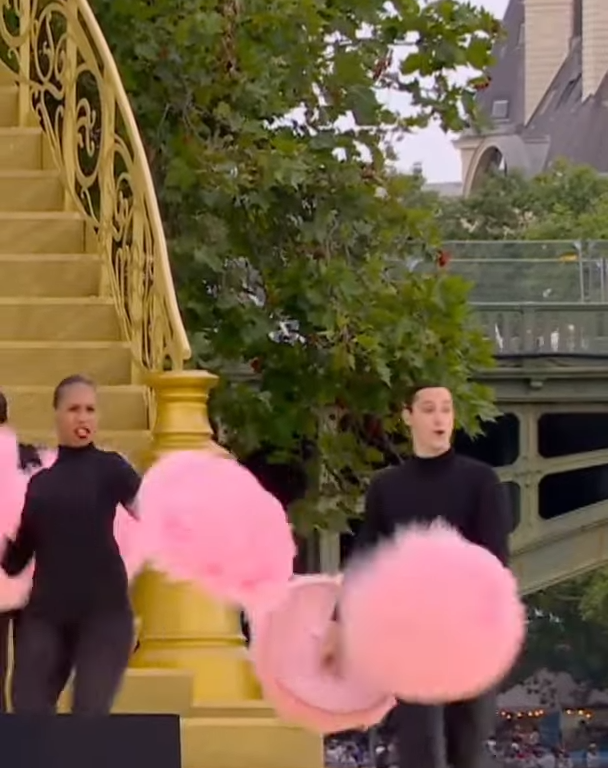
{"type": "Point", "coordinates": [508, 72]}
{"type": "Point", "coordinates": [575, 129]}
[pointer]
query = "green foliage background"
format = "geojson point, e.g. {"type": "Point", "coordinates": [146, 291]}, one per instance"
{"type": "Point", "coordinates": [269, 133]}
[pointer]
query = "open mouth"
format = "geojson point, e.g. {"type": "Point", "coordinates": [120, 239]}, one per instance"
{"type": "Point", "coordinates": [82, 432]}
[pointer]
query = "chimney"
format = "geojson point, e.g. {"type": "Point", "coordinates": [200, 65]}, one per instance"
{"type": "Point", "coordinates": [595, 45]}
{"type": "Point", "coordinates": [547, 34]}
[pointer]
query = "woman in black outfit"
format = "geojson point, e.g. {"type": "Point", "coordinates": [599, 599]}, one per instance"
{"type": "Point", "coordinates": [79, 606]}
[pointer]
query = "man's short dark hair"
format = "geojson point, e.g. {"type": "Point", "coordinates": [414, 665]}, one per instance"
{"type": "Point", "coordinates": [3, 408]}
{"type": "Point", "coordinates": [413, 391]}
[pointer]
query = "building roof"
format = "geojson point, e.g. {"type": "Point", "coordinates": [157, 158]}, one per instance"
{"type": "Point", "coordinates": [572, 128]}
{"type": "Point", "coordinates": [508, 73]}
{"type": "Point", "coordinates": [576, 129]}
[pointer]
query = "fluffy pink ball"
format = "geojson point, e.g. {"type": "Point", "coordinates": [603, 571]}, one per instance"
{"type": "Point", "coordinates": [133, 543]}
{"type": "Point", "coordinates": [286, 650]}
{"type": "Point", "coordinates": [432, 617]}
{"type": "Point", "coordinates": [211, 523]}
{"type": "Point", "coordinates": [13, 483]}
{"type": "Point", "coordinates": [48, 456]}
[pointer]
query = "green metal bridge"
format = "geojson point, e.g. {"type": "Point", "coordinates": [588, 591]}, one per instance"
{"type": "Point", "coordinates": [544, 305]}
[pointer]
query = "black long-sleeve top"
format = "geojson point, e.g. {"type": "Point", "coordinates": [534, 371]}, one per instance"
{"type": "Point", "coordinates": [466, 493]}
{"type": "Point", "coordinates": [68, 525]}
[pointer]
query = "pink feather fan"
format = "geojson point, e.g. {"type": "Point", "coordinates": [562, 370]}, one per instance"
{"type": "Point", "coordinates": [286, 649]}
{"type": "Point", "coordinates": [14, 590]}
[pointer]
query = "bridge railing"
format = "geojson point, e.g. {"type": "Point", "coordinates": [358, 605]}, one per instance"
{"type": "Point", "coordinates": [549, 328]}
{"type": "Point", "coordinates": [538, 297]}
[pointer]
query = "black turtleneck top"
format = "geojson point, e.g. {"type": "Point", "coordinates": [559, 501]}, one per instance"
{"type": "Point", "coordinates": [464, 492]}
{"type": "Point", "coordinates": [67, 524]}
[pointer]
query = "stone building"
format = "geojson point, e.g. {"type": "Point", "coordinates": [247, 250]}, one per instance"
{"type": "Point", "coordinates": [547, 95]}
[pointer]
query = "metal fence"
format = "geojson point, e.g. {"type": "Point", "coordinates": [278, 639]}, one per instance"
{"type": "Point", "coordinates": [532, 297]}
{"type": "Point", "coordinates": [531, 271]}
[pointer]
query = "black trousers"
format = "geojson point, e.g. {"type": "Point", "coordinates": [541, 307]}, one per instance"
{"type": "Point", "coordinates": [450, 735]}
{"type": "Point", "coordinates": [63, 669]}
{"type": "Point", "coordinates": [98, 648]}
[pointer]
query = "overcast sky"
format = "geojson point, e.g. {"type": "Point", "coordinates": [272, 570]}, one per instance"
{"type": "Point", "coordinates": [432, 147]}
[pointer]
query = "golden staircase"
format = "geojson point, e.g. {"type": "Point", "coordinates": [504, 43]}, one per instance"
{"type": "Point", "coordinates": [86, 287]}
{"type": "Point", "coordinates": [54, 317]}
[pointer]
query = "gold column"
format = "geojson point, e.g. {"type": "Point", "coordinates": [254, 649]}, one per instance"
{"type": "Point", "coordinates": [181, 627]}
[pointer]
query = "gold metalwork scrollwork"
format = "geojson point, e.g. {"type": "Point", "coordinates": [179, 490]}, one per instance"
{"type": "Point", "coordinates": [69, 81]}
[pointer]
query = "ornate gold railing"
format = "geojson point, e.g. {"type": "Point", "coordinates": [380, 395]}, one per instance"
{"type": "Point", "coordinates": [68, 79]}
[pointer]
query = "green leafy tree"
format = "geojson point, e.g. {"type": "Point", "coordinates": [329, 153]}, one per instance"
{"type": "Point", "coordinates": [561, 638]}
{"type": "Point", "coordinates": [566, 202]}
{"type": "Point", "coordinates": [268, 126]}
{"type": "Point", "coordinates": [496, 211]}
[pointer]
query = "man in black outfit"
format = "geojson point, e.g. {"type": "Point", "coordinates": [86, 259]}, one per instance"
{"type": "Point", "coordinates": [435, 483]}
{"type": "Point", "coordinates": [29, 459]}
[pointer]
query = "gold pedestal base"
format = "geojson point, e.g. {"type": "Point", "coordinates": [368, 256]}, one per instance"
{"type": "Point", "coordinates": [227, 725]}
{"type": "Point", "coordinates": [184, 629]}
{"type": "Point", "coordinates": [231, 671]}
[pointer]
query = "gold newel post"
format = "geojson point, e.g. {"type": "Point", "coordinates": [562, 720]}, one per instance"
{"type": "Point", "coordinates": [181, 627]}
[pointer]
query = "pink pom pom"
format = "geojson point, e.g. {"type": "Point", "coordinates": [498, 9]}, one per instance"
{"type": "Point", "coordinates": [13, 483]}
{"type": "Point", "coordinates": [286, 649]}
{"type": "Point", "coordinates": [14, 590]}
{"type": "Point", "coordinates": [9, 449]}
{"type": "Point", "coordinates": [432, 617]}
{"type": "Point", "coordinates": [48, 456]}
{"type": "Point", "coordinates": [210, 522]}
{"type": "Point", "coordinates": [130, 535]}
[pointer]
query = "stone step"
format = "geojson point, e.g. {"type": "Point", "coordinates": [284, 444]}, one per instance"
{"type": "Point", "coordinates": [40, 232]}
{"type": "Point", "coordinates": [56, 275]}
{"type": "Point", "coordinates": [122, 407]}
{"type": "Point", "coordinates": [21, 149]}
{"type": "Point", "coordinates": [9, 95]}
{"type": "Point", "coordinates": [148, 691]}
{"type": "Point", "coordinates": [7, 77]}
{"type": "Point", "coordinates": [248, 709]}
{"type": "Point", "coordinates": [255, 742]}
{"type": "Point", "coordinates": [36, 363]}
{"type": "Point", "coordinates": [30, 191]}
{"type": "Point", "coordinates": [58, 319]}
